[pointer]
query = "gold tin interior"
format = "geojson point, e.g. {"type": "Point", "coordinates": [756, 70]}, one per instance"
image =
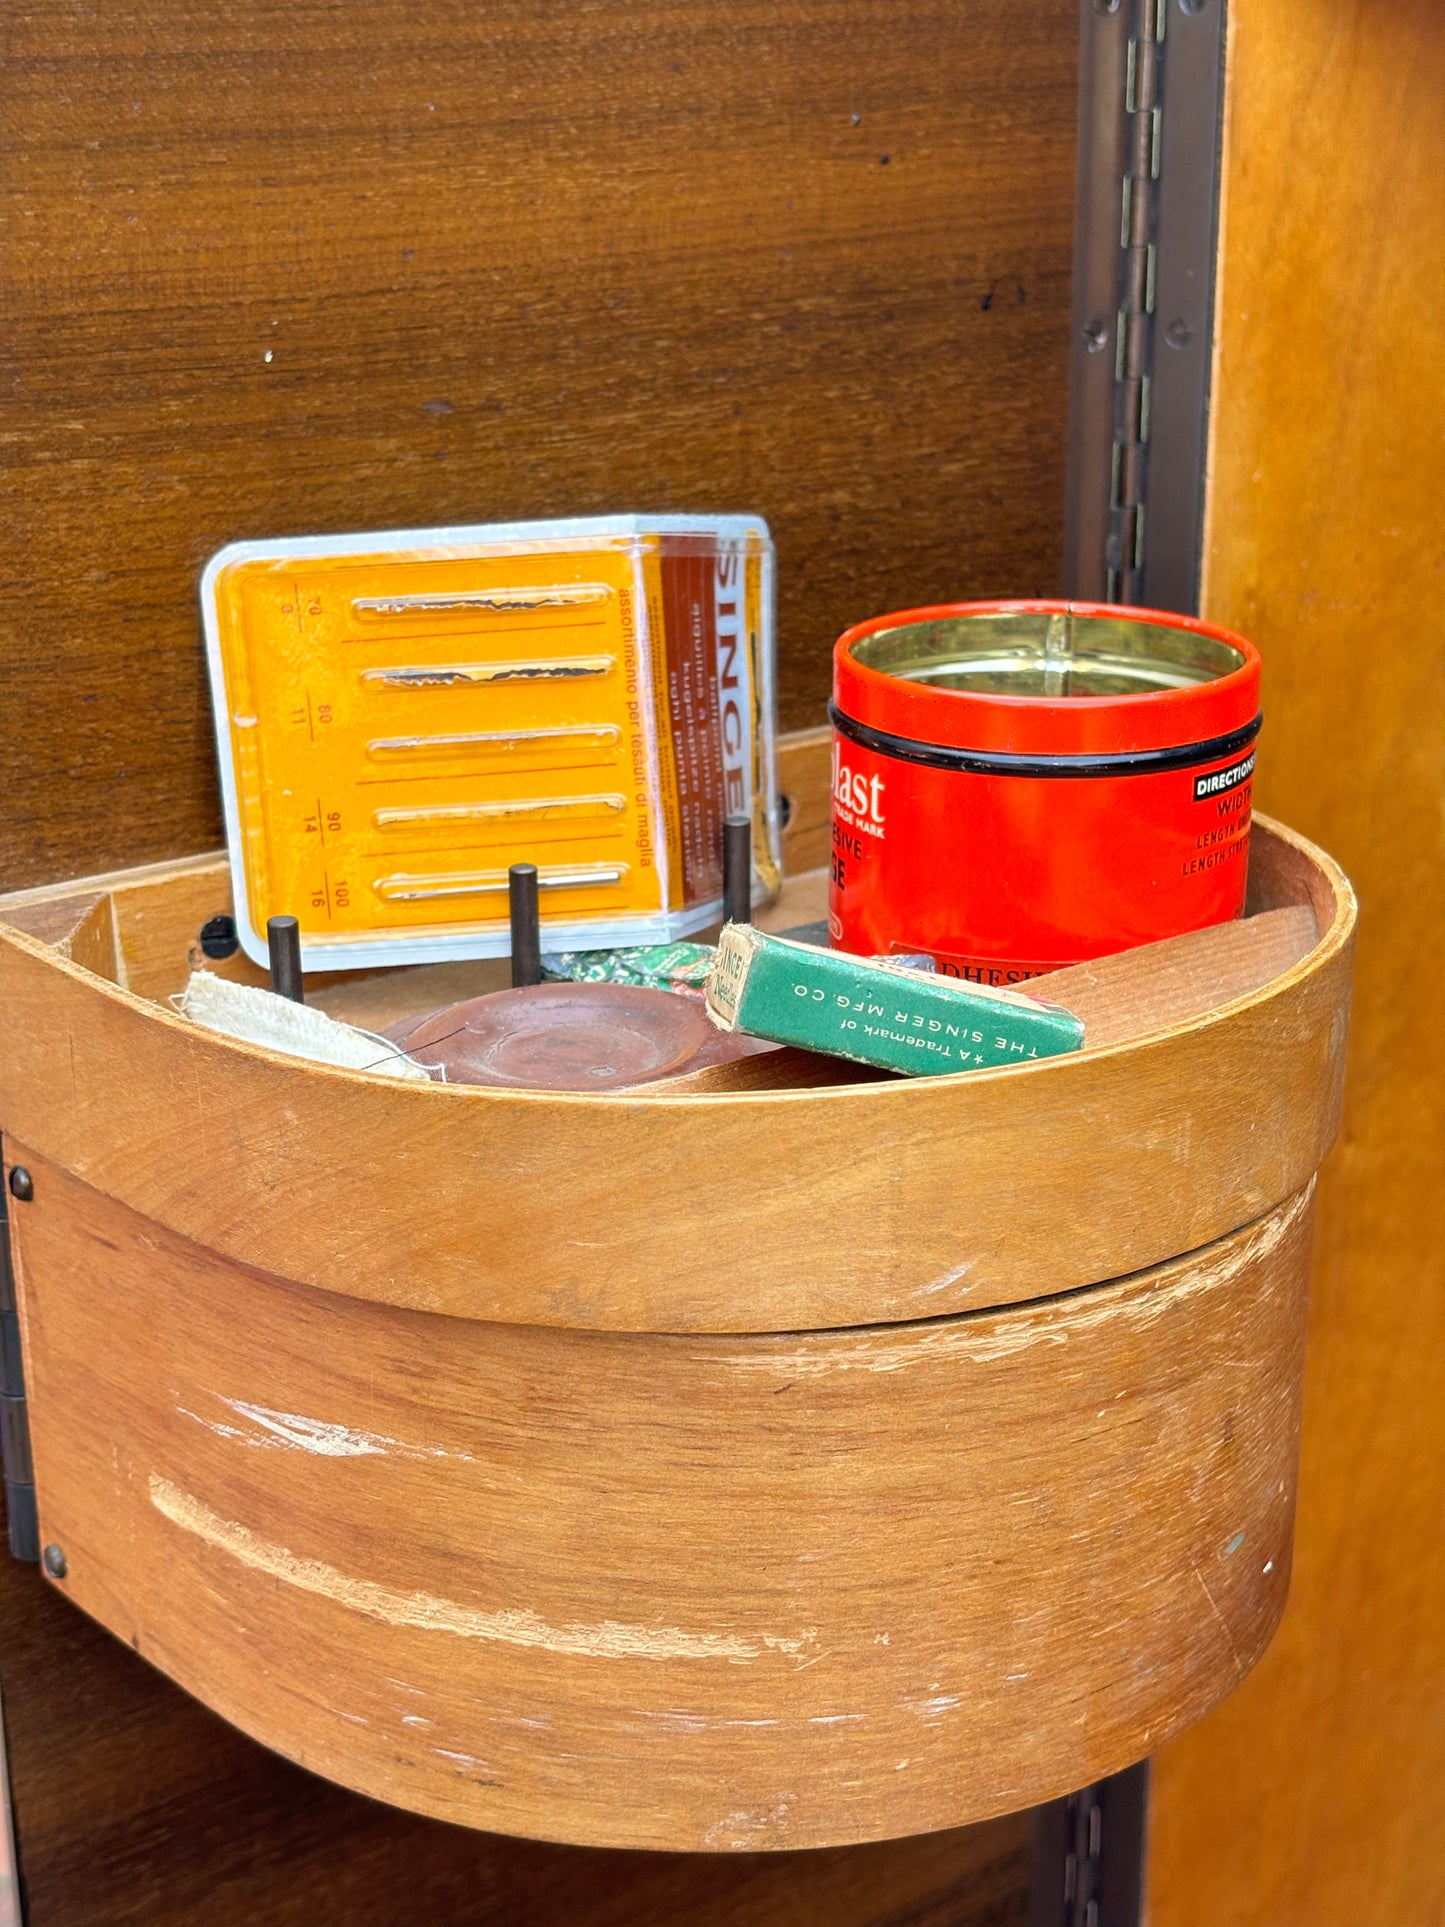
{"type": "Point", "coordinates": [1037, 654]}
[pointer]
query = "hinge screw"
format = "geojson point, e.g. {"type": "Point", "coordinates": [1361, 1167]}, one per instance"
{"type": "Point", "coordinates": [53, 1559]}
{"type": "Point", "coordinates": [1096, 336]}
{"type": "Point", "coordinates": [1179, 334]}
{"type": "Point", "coordinates": [22, 1185]}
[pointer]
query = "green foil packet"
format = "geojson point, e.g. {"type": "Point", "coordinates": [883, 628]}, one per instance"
{"type": "Point", "coordinates": [653, 966]}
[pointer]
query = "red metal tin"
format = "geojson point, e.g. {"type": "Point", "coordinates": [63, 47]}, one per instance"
{"type": "Point", "coordinates": [1023, 785]}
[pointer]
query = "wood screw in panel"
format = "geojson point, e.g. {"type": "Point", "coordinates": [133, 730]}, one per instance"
{"type": "Point", "coordinates": [218, 937]}
{"type": "Point", "coordinates": [53, 1559]}
{"type": "Point", "coordinates": [22, 1185]}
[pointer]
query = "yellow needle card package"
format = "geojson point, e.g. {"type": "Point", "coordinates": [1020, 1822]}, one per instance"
{"type": "Point", "coordinates": [402, 716]}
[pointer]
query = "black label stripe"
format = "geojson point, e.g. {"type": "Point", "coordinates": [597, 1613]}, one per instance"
{"type": "Point", "coordinates": [1129, 762]}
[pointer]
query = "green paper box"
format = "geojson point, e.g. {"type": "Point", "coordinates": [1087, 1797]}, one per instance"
{"type": "Point", "coordinates": [876, 1013]}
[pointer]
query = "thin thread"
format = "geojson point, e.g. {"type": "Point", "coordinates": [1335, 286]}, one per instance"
{"type": "Point", "coordinates": [430, 1044]}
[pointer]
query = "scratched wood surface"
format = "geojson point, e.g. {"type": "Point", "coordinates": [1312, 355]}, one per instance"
{"type": "Point", "coordinates": [855, 1204]}
{"type": "Point", "coordinates": [137, 1807]}
{"type": "Point", "coordinates": [694, 1593]}
{"type": "Point", "coordinates": [268, 270]}
{"type": "Point", "coordinates": [1315, 1796]}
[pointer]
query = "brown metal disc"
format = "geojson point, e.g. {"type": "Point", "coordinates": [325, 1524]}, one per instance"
{"type": "Point", "coordinates": [570, 1037]}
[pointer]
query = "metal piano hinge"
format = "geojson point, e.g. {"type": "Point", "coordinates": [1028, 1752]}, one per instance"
{"type": "Point", "coordinates": [1133, 326]}
{"type": "Point", "coordinates": [19, 1471]}
{"type": "Point", "coordinates": [1081, 1861]}
{"type": "Point", "coordinates": [1088, 1855]}
{"type": "Point", "coordinates": [1150, 102]}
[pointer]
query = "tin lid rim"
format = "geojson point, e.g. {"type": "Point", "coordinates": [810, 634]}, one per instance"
{"type": "Point", "coordinates": [1042, 725]}
{"type": "Point", "coordinates": [1239, 743]}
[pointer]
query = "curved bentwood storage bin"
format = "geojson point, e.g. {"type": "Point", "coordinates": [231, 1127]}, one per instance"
{"type": "Point", "coordinates": [676, 1471]}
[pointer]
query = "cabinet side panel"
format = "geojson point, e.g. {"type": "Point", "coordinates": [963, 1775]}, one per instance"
{"type": "Point", "coordinates": [1313, 1796]}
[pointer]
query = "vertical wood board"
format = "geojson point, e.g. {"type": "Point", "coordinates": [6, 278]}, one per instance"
{"type": "Point", "coordinates": [1312, 1799]}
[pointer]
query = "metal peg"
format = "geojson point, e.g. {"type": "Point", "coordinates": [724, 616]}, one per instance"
{"type": "Point", "coordinates": [526, 925]}
{"type": "Point", "coordinates": [737, 869]}
{"type": "Point", "coordinates": [283, 940]}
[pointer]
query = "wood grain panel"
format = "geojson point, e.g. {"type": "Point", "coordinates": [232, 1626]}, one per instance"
{"type": "Point", "coordinates": [805, 778]}
{"type": "Point", "coordinates": [136, 1807]}
{"type": "Point", "coordinates": [708, 1593]}
{"type": "Point", "coordinates": [271, 269]}
{"type": "Point", "coordinates": [855, 1204]}
{"type": "Point", "coordinates": [1312, 1799]}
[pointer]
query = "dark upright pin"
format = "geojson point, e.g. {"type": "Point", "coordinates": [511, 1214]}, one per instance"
{"type": "Point", "coordinates": [737, 869]}
{"type": "Point", "coordinates": [283, 940]}
{"type": "Point", "coordinates": [526, 925]}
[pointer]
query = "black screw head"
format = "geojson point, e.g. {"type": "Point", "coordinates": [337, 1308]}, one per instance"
{"type": "Point", "coordinates": [1179, 334]}
{"type": "Point", "coordinates": [22, 1185]}
{"type": "Point", "coordinates": [53, 1559]}
{"type": "Point", "coordinates": [218, 938]}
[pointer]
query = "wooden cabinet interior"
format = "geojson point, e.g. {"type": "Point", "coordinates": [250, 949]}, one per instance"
{"type": "Point", "coordinates": [255, 284]}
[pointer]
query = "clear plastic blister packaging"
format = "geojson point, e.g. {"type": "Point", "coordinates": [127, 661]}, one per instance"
{"type": "Point", "coordinates": [401, 716]}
